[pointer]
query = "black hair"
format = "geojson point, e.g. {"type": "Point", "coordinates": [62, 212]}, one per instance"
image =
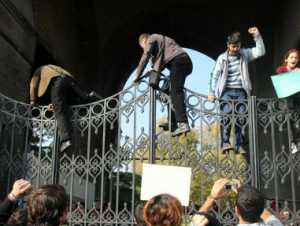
{"type": "Point", "coordinates": [234, 38]}
{"type": "Point", "coordinates": [250, 203]}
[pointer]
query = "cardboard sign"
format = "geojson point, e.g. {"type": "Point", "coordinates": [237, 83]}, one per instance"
{"type": "Point", "coordinates": [286, 84]}
{"type": "Point", "coordinates": [173, 180]}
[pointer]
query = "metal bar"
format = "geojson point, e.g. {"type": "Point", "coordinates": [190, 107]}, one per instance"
{"type": "Point", "coordinates": [291, 161]}
{"type": "Point", "coordinates": [152, 125]}
{"type": "Point", "coordinates": [12, 144]}
{"type": "Point", "coordinates": [71, 184]}
{"type": "Point", "coordinates": [87, 168]}
{"type": "Point", "coordinates": [55, 157]}
{"type": "Point", "coordinates": [253, 141]}
{"type": "Point", "coordinates": [272, 118]}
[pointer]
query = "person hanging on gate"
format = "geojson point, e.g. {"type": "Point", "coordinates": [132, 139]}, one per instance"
{"type": "Point", "coordinates": [230, 81]}
{"type": "Point", "coordinates": [290, 63]}
{"type": "Point", "coordinates": [55, 84]}
{"type": "Point", "coordinates": [166, 53]}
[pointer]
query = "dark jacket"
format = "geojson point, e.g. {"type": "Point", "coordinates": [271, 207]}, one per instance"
{"type": "Point", "coordinates": [154, 49]}
{"type": "Point", "coordinates": [7, 207]}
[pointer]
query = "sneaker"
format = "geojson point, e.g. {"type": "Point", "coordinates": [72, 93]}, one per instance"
{"type": "Point", "coordinates": [240, 150]}
{"type": "Point", "coordinates": [226, 148]}
{"type": "Point", "coordinates": [294, 148]}
{"type": "Point", "coordinates": [182, 127]}
{"type": "Point", "coordinates": [165, 126]}
{"type": "Point", "coordinates": [65, 144]}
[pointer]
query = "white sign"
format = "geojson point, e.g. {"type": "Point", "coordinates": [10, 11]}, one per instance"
{"type": "Point", "coordinates": [173, 180]}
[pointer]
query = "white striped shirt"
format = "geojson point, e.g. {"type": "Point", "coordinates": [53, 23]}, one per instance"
{"type": "Point", "coordinates": [234, 72]}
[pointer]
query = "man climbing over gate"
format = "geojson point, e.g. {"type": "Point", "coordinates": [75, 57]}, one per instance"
{"type": "Point", "coordinates": [55, 83]}
{"type": "Point", "coordinates": [166, 53]}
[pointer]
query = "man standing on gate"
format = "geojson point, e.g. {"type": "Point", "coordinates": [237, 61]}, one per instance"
{"type": "Point", "coordinates": [230, 81]}
{"type": "Point", "coordinates": [166, 53]}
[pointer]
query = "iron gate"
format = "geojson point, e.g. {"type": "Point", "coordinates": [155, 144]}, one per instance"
{"type": "Point", "coordinates": [114, 136]}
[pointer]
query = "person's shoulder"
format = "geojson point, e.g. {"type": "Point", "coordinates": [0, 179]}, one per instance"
{"type": "Point", "coordinates": [248, 224]}
{"type": "Point", "coordinates": [281, 69]}
{"type": "Point", "coordinates": [155, 36]}
{"type": "Point", "coordinates": [273, 221]}
{"type": "Point", "coordinates": [244, 51]}
{"type": "Point", "coordinates": [222, 56]}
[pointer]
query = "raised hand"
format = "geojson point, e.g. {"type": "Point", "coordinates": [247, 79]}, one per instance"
{"type": "Point", "coordinates": [211, 98]}
{"type": "Point", "coordinates": [218, 190]}
{"type": "Point", "coordinates": [253, 30]}
{"type": "Point", "coordinates": [20, 188]}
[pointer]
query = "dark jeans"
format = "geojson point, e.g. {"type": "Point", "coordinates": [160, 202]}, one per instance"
{"type": "Point", "coordinates": [65, 92]}
{"type": "Point", "coordinates": [180, 67]}
{"type": "Point", "coordinates": [294, 105]}
{"type": "Point", "coordinates": [232, 103]}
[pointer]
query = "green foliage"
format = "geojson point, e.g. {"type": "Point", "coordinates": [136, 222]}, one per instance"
{"type": "Point", "coordinates": [201, 153]}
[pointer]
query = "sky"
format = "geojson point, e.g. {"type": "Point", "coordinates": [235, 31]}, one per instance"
{"type": "Point", "coordinates": [197, 81]}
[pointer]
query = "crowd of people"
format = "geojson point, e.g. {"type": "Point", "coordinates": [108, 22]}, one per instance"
{"type": "Point", "coordinates": [48, 205]}
{"type": "Point", "coordinates": [166, 210]}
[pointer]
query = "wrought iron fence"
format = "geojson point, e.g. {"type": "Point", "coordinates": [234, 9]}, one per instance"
{"type": "Point", "coordinates": [114, 136]}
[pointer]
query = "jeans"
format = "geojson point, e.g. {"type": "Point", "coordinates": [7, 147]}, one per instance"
{"type": "Point", "coordinates": [232, 102]}
{"type": "Point", "coordinates": [180, 67]}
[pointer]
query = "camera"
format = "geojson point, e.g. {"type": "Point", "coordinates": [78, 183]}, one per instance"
{"type": "Point", "coordinates": [230, 186]}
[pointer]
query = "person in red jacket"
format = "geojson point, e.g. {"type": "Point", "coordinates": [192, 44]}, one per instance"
{"type": "Point", "coordinates": [290, 63]}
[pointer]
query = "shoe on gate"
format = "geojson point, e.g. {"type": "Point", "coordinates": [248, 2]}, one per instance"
{"type": "Point", "coordinates": [165, 126]}
{"type": "Point", "coordinates": [182, 127]}
{"type": "Point", "coordinates": [294, 148]}
{"type": "Point", "coordinates": [226, 148]}
{"type": "Point", "coordinates": [240, 150]}
{"type": "Point", "coordinates": [65, 145]}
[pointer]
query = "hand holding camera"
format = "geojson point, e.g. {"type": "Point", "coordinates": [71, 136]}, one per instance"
{"type": "Point", "coordinates": [232, 185]}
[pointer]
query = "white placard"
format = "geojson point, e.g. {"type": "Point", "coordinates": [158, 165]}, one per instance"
{"type": "Point", "coordinates": [173, 180]}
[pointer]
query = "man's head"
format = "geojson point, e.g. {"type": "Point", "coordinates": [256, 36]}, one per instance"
{"type": "Point", "coordinates": [48, 205]}
{"type": "Point", "coordinates": [249, 204]}
{"type": "Point", "coordinates": [234, 43]}
{"type": "Point", "coordinates": [143, 38]}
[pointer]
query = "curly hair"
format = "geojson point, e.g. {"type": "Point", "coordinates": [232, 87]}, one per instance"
{"type": "Point", "coordinates": [163, 210]}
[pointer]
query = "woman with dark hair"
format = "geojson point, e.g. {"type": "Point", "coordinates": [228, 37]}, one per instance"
{"type": "Point", "coordinates": [290, 63]}
{"type": "Point", "coordinates": [48, 205]}
{"type": "Point", "coordinates": [45, 206]}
